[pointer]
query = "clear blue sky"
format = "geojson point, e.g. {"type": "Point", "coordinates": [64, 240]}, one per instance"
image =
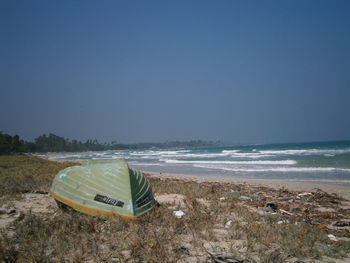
{"type": "Point", "coordinates": [135, 71]}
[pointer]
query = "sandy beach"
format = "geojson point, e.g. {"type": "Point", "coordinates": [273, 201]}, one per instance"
{"type": "Point", "coordinates": [247, 220]}
{"type": "Point", "coordinates": [293, 185]}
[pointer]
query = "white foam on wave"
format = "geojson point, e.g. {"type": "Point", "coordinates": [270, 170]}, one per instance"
{"type": "Point", "coordinates": [254, 155]}
{"type": "Point", "coordinates": [274, 169]}
{"type": "Point", "coordinates": [158, 153]}
{"type": "Point", "coordinates": [259, 162]}
{"type": "Point", "coordinates": [154, 157]}
{"type": "Point", "coordinates": [230, 151]}
{"type": "Point", "coordinates": [109, 158]}
{"type": "Point", "coordinates": [328, 155]}
{"type": "Point", "coordinates": [189, 155]}
{"type": "Point", "coordinates": [93, 156]}
{"type": "Point", "coordinates": [234, 154]}
{"type": "Point", "coordinates": [67, 156]}
{"type": "Point", "coordinates": [145, 164]}
{"type": "Point", "coordinates": [197, 155]}
{"type": "Point", "coordinates": [306, 151]}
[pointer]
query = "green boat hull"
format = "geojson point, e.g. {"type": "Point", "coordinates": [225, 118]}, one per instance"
{"type": "Point", "coordinates": [104, 188]}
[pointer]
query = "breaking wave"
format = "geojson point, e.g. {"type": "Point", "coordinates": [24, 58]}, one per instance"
{"type": "Point", "coordinates": [329, 161]}
{"type": "Point", "coordinates": [275, 169]}
{"type": "Point", "coordinates": [306, 152]}
{"type": "Point", "coordinates": [261, 162]}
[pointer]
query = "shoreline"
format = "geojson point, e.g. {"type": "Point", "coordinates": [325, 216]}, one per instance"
{"type": "Point", "coordinates": [342, 190]}
{"type": "Point", "coordinates": [294, 185]}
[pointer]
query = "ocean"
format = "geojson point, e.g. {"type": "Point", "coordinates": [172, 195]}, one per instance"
{"type": "Point", "coordinates": [319, 161]}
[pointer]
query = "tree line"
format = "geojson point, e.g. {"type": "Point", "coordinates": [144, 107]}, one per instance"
{"type": "Point", "coordinates": [54, 143]}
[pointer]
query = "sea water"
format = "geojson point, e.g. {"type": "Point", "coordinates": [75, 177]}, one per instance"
{"type": "Point", "coordinates": [322, 161]}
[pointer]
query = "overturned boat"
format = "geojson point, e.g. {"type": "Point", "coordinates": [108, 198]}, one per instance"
{"type": "Point", "coordinates": [104, 188]}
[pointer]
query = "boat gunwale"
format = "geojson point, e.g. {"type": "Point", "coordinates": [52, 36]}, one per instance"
{"type": "Point", "coordinates": [89, 210]}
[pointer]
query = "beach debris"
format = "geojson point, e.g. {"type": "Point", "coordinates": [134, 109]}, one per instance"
{"type": "Point", "coordinates": [341, 224]}
{"type": "Point", "coordinates": [11, 212]}
{"type": "Point", "coordinates": [228, 222]}
{"type": "Point", "coordinates": [179, 213]}
{"type": "Point", "coordinates": [285, 212]}
{"type": "Point", "coordinates": [304, 194]}
{"type": "Point", "coordinates": [332, 237]}
{"type": "Point", "coordinates": [261, 198]}
{"type": "Point", "coordinates": [284, 221]}
{"type": "Point", "coordinates": [296, 209]}
{"type": "Point", "coordinates": [322, 226]}
{"type": "Point", "coordinates": [326, 215]}
{"type": "Point", "coordinates": [273, 205]}
{"type": "Point", "coordinates": [245, 198]}
{"type": "Point", "coordinates": [20, 216]}
{"type": "Point", "coordinates": [223, 198]}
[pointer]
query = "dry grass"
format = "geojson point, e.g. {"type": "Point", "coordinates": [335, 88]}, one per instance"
{"type": "Point", "coordinates": [157, 236]}
{"type": "Point", "coordinates": [25, 173]}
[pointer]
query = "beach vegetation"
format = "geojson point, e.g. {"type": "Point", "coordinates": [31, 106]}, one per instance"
{"type": "Point", "coordinates": [55, 235]}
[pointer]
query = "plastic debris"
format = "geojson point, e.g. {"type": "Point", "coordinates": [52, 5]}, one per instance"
{"type": "Point", "coordinates": [228, 222]}
{"type": "Point", "coordinates": [284, 221]}
{"type": "Point", "coordinates": [223, 198]}
{"type": "Point", "coordinates": [332, 237]}
{"type": "Point", "coordinates": [261, 198]}
{"type": "Point", "coordinates": [179, 213]}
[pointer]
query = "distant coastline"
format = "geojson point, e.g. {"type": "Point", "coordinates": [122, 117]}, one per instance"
{"type": "Point", "coordinates": [53, 143]}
